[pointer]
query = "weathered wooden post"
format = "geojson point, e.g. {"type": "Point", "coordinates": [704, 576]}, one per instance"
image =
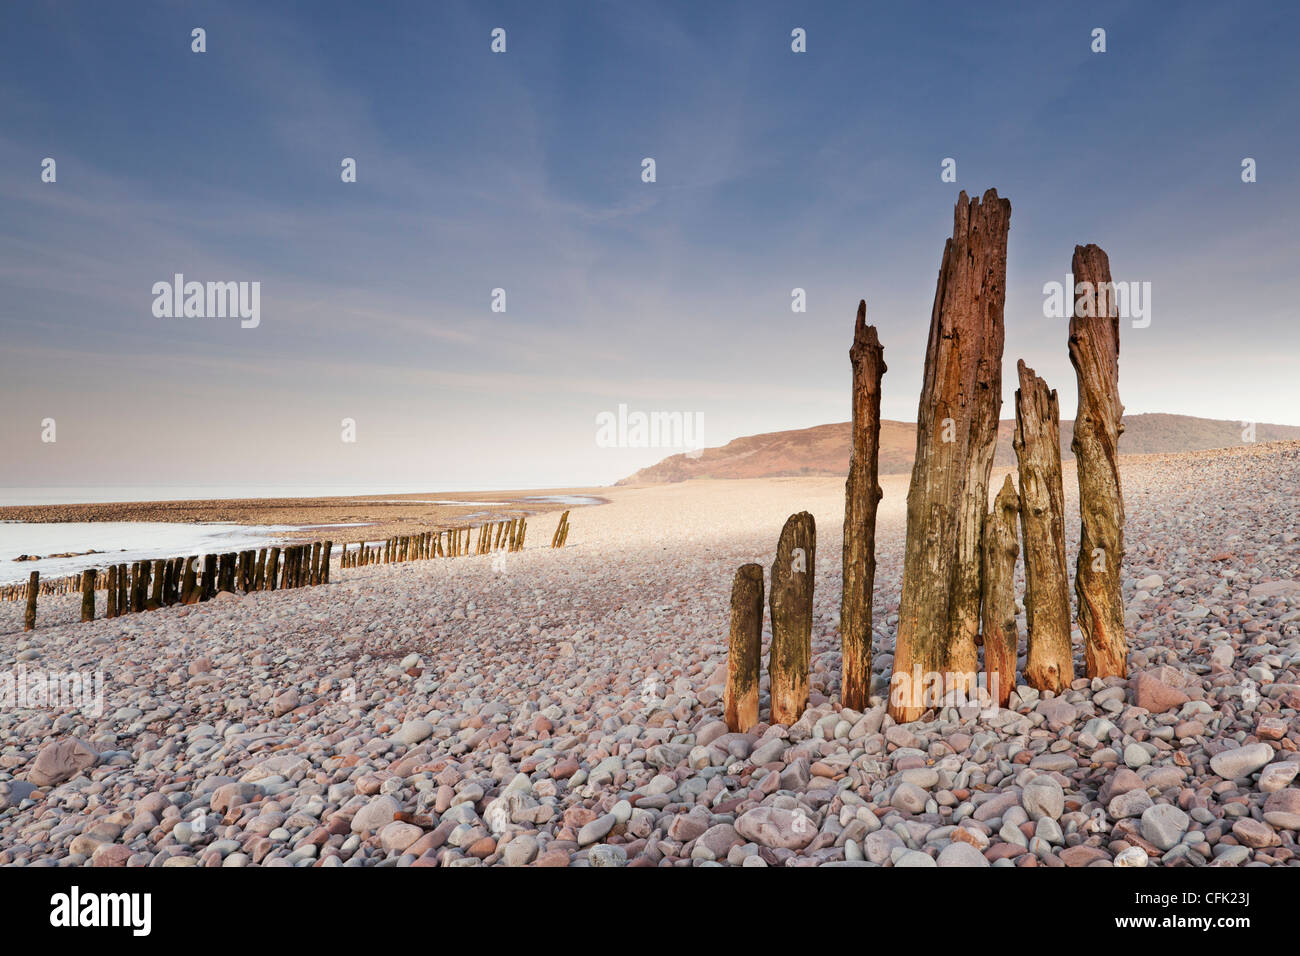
{"type": "Point", "coordinates": [325, 562]}
{"type": "Point", "coordinates": [272, 568]}
{"type": "Point", "coordinates": [154, 601]}
{"type": "Point", "coordinates": [315, 562]}
{"type": "Point", "coordinates": [226, 572]}
{"type": "Point", "coordinates": [791, 607]}
{"type": "Point", "coordinates": [88, 595]}
{"type": "Point", "coordinates": [745, 650]}
{"type": "Point", "coordinates": [1094, 353]}
{"type": "Point", "coordinates": [209, 589]}
{"type": "Point", "coordinates": [33, 589]}
{"type": "Point", "coordinates": [1049, 660]}
{"type": "Point", "coordinates": [123, 600]}
{"type": "Point", "coordinates": [956, 436]}
{"type": "Point", "coordinates": [1001, 635]}
{"type": "Point", "coordinates": [110, 609]}
{"type": "Point", "coordinates": [189, 584]}
{"type": "Point", "coordinates": [139, 583]}
{"type": "Point", "coordinates": [560, 529]}
{"type": "Point", "coordinates": [861, 498]}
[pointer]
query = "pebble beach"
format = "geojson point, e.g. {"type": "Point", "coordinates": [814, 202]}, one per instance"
{"type": "Point", "coordinates": [563, 707]}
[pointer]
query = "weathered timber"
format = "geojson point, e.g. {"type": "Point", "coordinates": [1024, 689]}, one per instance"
{"type": "Point", "coordinates": [745, 650]}
{"type": "Point", "coordinates": [33, 590]}
{"type": "Point", "coordinates": [209, 589]}
{"type": "Point", "coordinates": [956, 435]}
{"type": "Point", "coordinates": [1001, 633]}
{"type": "Point", "coordinates": [861, 498]}
{"type": "Point", "coordinates": [88, 595]}
{"type": "Point", "coordinates": [1049, 660]}
{"type": "Point", "coordinates": [154, 601]}
{"type": "Point", "coordinates": [1094, 353]}
{"type": "Point", "coordinates": [791, 602]}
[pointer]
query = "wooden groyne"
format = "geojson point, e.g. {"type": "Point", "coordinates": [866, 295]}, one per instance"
{"type": "Point", "coordinates": [164, 582]}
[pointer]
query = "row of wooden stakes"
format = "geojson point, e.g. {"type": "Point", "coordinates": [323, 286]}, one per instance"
{"type": "Point", "coordinates": [507, 535]}
{"type": "Point", "coordinates": [149, 585]}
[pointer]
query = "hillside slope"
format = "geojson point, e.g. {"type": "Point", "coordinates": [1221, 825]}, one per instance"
{"type": "Point", "coordinates": [824, 449]}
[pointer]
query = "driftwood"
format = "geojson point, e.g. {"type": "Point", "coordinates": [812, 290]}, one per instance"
{"type": "Point", "coordinates": [1049, 661]}
{"type": "Point", "coordinates": [998, 572]}
{"type": "Point", "coordinates": [791, 606]}
{"type": "Point", "coordinates": [861, 498]}
{"type": "Point", "coordinates": [1094, 352]}
{"type": "Point", "coordinates": [745, 650]}
{"type": "Point", "coordinates": [956, 434]}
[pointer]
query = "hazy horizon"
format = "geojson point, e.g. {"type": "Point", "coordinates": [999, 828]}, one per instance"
{"type": "Point", "coordinates": [522, 171]}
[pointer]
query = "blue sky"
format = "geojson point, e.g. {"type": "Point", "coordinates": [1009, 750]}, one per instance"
{"type": "Point", "coordinates": [521, 170]}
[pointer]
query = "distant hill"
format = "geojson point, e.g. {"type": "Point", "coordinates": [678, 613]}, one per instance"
{"type": "Point", "coordinates": [824, 449]}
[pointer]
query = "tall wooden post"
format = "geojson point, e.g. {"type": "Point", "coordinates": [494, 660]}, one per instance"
{"type": "Point", "coordinates": [1049, 662]}
{"type": "Point", "coordinates": [33, 589]}
{"type": "Point", "coordinates": [861, 498]}
{"type": "Point", "coordinates": [791, 606]}
{"type": "Point", "coordinates": [745, 651]}
{"type": "Point", "coordinates": [1094, 352]}
{"type": "Point", "coordinates": [325, 562]}
{"type": "Point", "coordinates": [1001, 634]}
{"type": "Point", "coordinates": [88, 595]}
{"type": "Point", "coordinates": [956, 436]}
{"type": "Point", "coordinates": [123, 600]}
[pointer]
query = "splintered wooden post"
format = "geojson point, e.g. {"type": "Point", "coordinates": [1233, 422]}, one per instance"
{"type": "Point", "coordinates": [956, 436]}
{"type": "Point", "coordinates": [33, 589]}
{"type": "Point", "coordinates": [745, 650]}
{"type": "Point", "coordinates": [88, 595]}
{"type": "Point", "coordinates": [1094, 353]}
{"type": "Point", "coordinates": [1049, 660]}
{"type": "Point", "coordinates": [110, 609]}
{"type": "Point", "coordinates": [791, 607]}
{"type": "Point", "coordinates": [272, 568]}
{"type": "Point", "coordinates": [259, 571]}
{"type": "Point", "coordinates": [325, 562]}
{"type": "Point", "coordinates": [241, 570]}
{"type": "Point", "coordinates": [315, 562]}
{"type": "Point", "coordinates": [123, 598]}
{"type": "Point", "coordinates": [1001, 635]}
{"type": "Point", "coordinates": [861, 498]}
